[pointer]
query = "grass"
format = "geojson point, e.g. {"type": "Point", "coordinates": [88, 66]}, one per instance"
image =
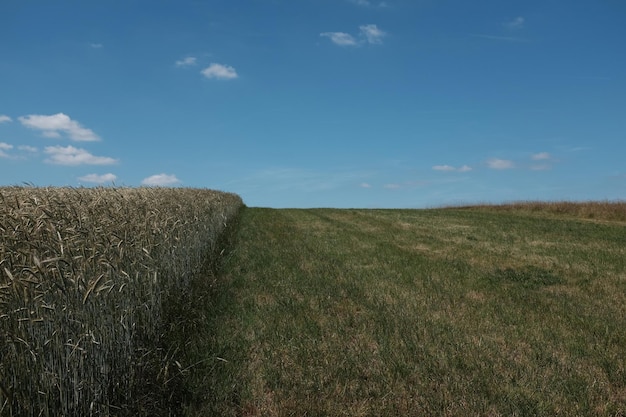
{"type": "Point", "coordinates": [598, 210]}
{"type": "Point", "coordinates": [461, 311]}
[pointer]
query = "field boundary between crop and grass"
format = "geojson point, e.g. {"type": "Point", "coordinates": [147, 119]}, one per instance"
{"type": "Point", "coordinates": [164, 302]}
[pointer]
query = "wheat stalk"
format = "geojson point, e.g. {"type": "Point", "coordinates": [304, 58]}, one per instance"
{"type": "Point", "coordinates": [84, 278]}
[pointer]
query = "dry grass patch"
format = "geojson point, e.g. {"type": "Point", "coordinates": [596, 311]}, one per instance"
{"type": "Point", "coordinates": [612, 211]}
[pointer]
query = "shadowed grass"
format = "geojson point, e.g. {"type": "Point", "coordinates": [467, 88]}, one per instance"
{"type": "Point", "coordinates": [434, 312]}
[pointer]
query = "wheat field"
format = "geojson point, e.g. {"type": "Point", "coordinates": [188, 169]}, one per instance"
{"type": "Point", "coordinates": [91, 282]}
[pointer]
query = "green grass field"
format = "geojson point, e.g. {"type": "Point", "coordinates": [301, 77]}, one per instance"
{"type": "Point", "coordinates": [468, 311]}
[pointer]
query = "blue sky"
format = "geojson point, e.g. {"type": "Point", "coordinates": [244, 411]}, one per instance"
{"type": "Point", "coordinates": [318, 103]}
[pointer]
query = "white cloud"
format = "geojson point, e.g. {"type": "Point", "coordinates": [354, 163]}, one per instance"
{"type": "Point", "coordinates": [368, 33]}
{"type": "Point", "coordinates": [544, 161]}
{"type": "Point", "coordinates": [541, 156]}
{"type": "Point", "coordinates": [186, 62]}
{"type": "Point", "coordinates": [392, 186]}
{"type": "Point", "coordinates": [448, 168]}
{"type": "Point", "coordinates": [4, 118]}
{"type": "Point", "coordinates": [500, 38]}
{"type": "Point", "coordinates": [96, 45]}
{"type": "Point", "coordinates": [365, 185]}
{"type": "Point", "coordinates": [367, 3]}
{"type": "Point", "coordinates": [27, 148]}
{"type": "Point", "coordinates": [161, 180]}
{"type": "Point", "coordinates": [52, 126]}
{"type": "Point", "coordinates": [5, 147]}
{"type": "Point", "coordinates": [70, 155]}
{"type": "Point", "coordinates": [515, 24]}
{"type": "Point", "coordinates": [98, 179]}
{"type": "Point", "coordinates": [445, 168]}
{"type": "Point", "coordinates": [340, 38]}
{"type": "Point", "coordinates": [220, 72]}
{"type": "Point", "coordinates": [579, 149]}
{"type": "Point", "coordinates": [372, 34]}
{"type": "Point", "coordinates": [496, 163]}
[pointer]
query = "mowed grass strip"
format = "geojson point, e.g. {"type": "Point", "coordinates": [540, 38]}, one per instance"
{"type": "Point", "coordinates": [419, 312]}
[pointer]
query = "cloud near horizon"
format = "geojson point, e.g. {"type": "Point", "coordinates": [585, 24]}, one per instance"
{"type": "Point", "coordinates": [543, 161]}
{"type": "Point", "coordinates": [98, 179]}
{"type": "Point", "coordinates": [27, 148]}
{"type": "Point", "coordinates": [52, 126]}
{"type": "Point", "coordinates": [541, 156]}
{"type": "Point", "coordinates": [541, 167]}
{"type": "Point", "coordinates": [496, 163]}
{"type": "Point", "coordinates": [72, 156]}
{"type": "Point", "coordinates": [449, 168]}
{"type": "Point", "coordinates": [161, 180]}
{"type": "Point", "coordinates": [220, 72]}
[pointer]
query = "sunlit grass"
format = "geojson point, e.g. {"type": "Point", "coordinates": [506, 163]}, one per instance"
{"type": "Point", "coordinates": [437, 312]}
{"type": "Point", "coordinates": [600, 210]}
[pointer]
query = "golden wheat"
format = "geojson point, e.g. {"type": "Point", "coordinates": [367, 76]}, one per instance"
{"type": "Point", "coordinates": [85, 276]}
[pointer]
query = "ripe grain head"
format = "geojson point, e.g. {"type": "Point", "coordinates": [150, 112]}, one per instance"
{"type": "Point", "coordinates": [86, 277]}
